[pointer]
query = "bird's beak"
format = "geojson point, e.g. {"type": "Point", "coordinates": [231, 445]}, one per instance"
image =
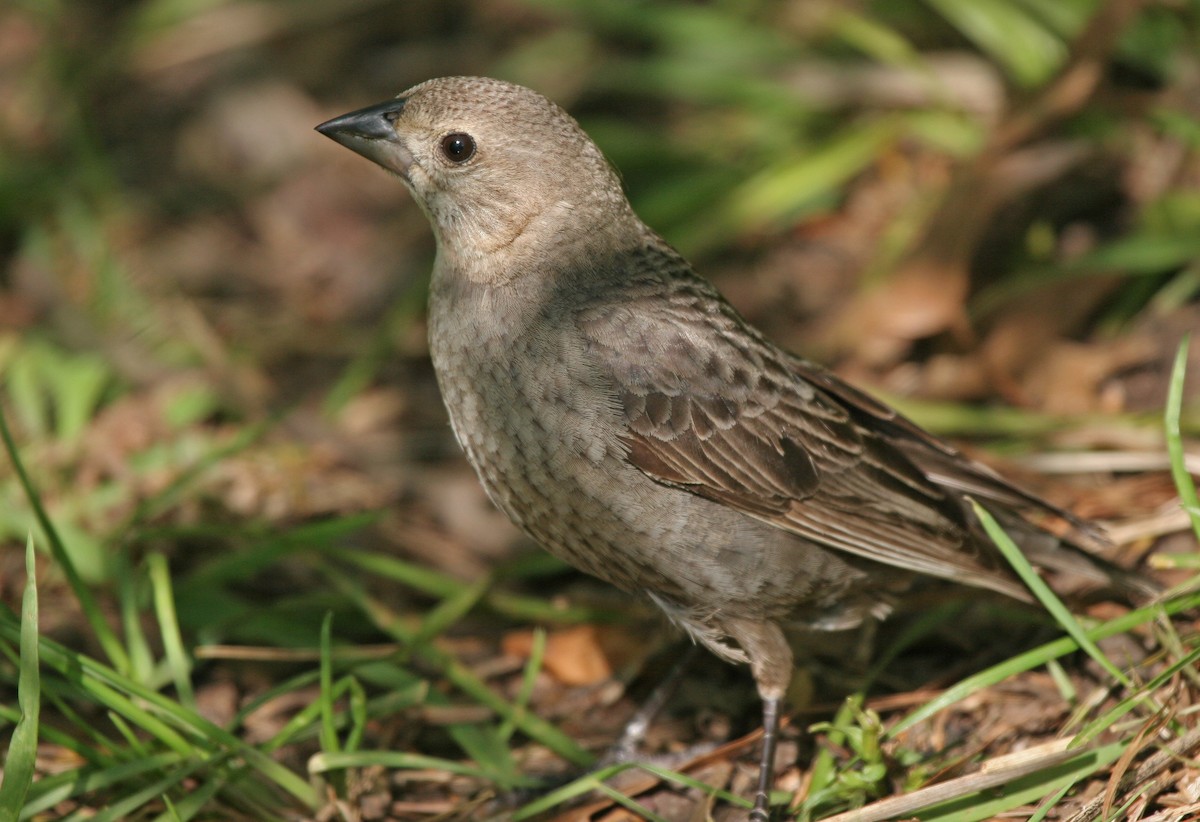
{"type": "Point", "coordinates": [371, 132]}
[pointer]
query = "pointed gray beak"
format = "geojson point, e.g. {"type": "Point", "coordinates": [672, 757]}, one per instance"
{"type": "Point", "coordinates": [372, 132]}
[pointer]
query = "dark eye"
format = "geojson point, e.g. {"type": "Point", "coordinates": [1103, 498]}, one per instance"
{"type": "Point", "coordinates": [458, 147]}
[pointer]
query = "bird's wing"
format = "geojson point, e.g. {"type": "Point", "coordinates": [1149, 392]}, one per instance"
{"type": "Point", "coordinates": [714, 409]}
{"type": "Point", "coordinates": [936, 459]}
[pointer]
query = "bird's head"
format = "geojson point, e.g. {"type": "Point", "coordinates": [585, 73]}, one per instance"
{"type": "Point", "coordinates": [497, 167]}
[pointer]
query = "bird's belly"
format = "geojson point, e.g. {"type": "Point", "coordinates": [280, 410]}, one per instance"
{"type": "Point", "coordinates": [577, 496]}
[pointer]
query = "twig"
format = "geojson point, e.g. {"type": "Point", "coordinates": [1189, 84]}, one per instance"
{"type": "Point", "coordinates": [1146, 778]}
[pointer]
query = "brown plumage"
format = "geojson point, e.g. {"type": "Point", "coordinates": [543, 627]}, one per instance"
{"type": "Point", "coordinates": [625, 416]}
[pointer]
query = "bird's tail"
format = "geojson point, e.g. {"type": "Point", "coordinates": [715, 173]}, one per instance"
{"type": "Point", "coordinates": [1072, 567]}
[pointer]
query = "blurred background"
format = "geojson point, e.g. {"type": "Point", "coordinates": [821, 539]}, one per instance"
{"type": "Point", "coordinates": [212, 341]}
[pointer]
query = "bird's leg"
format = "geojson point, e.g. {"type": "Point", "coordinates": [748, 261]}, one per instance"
{"type": "Point", "coordinates": [766, 765]}
{"type": "Point", "coordinates": [771, 661]}
{"type": "Point", "coordinates": [626, 748]}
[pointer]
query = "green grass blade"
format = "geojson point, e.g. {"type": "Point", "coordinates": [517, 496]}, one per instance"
{"type": "Point", "coordinates": [1044, 595]}
{"type": "Point", "coordinates": [328, 736]}
{"type": "Point", "coordinates": [77, 383]}
{"type": "Point", "coordinates": [341, 760]}
{"type": "Point", "coordinates": [60, 787]}
{"type": "Point", "coordinates": [104, 634]}
{"type": "Point", "coordinates": [629, 804]}
{"type": "Point", "coordinates": [129, 605]}
{"type": "Point", "coordinates": [1026, 48]}
{"type": "Point", "coordinates": [595, 781]}
{"type": "Point", "coordinates": [51, 735]}
{"type": "Point", "coordinates": [1066, 689]}
{"type": "Point", "coordinates": [159, 716]}
{"type": "Point", "coordinates": [885, 44]}
{"type": "Point", "coordinates": [528, 680]}
{"type": "Point", "coordinates": [575, 788]}
{"type": "Point", "coordinates": [993, 802]}
{"type": "Point", "coordinates": [168, 626]}
{"type": "Point", "coordinates": [783, 189]}
{"type": "Point", "coordinates": [1039, 656]}
{"type": "Point", "coordinates": [442, 585]}
{"type": "Point", "coordinates": [677, 778]}
{"type": "Point", "coordinates": [358, 713]}
{"type": "Point", "coordinates": [460, 675]}
{"type": "Point", "coordinates": [124, 807]}
{"type": "Point", "coordinates": [533, 726]}
{"type": "Point", "coordinates": [306, 723]}
{"type": "Point", "coordinates": [93, 746]}
{"type": "Point", "coordinates": [1183, 480]}
{"type": "Point", "coordinates": [1050, 802]}
{"type": "Point", "coordinates": [1110, 717]}
{"type": "Point", "coordinates": [485, 747]}
{"type": "Point", "coordinates": [415, 576]}
{"type": "Point", "coordinates": [451, 609]}
{"type": "Point", "coordinates": [137, 747]}
{"type": "Point", "coordinates": [193, 803]}
{"type": "Point", "coordinates": [26, 398]}
{"type": "Point", "coordinates": [22, 748]}
{"type": "Point", "coordinates": [150, 506]}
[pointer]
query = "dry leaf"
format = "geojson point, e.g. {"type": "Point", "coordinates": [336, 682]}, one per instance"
{"type": "Point", "coordinates": [574, 656]}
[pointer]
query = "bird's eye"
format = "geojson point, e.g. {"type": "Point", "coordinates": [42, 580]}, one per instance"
{"type": "Point", "coordinates": [458, 147]}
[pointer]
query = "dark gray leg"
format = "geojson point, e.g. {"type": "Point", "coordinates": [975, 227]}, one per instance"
{"type": "Point", "coordinates": [766, 765]}
{"type": "Point", "coordinates": [627, 747]}
{"type": "Point", "coordinates": [770, 659]}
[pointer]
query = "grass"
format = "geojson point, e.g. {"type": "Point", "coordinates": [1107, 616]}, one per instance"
{"type": "Point", "coordinates": [155, 589]}
{"type": "Point", "coordinates": [21, 758]}
{"type": "Point", "coordinates": [157, 750]}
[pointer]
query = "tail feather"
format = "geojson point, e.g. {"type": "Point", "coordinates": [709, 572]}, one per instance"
{"type": "Point", "coordinates": [1074, 571]}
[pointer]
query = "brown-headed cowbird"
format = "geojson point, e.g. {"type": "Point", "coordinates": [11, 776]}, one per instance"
{"type": "Point", "coordinates": [619, 411]}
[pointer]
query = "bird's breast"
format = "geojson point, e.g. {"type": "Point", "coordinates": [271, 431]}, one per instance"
{"type": "Point", "coordinates": [536, 421]}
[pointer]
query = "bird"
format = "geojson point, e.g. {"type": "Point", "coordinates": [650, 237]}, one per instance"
{"type": "Point", "coordinates": [625, 416]}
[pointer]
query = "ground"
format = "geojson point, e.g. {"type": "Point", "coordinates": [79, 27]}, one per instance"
{"type": "Point", "coordinates": [213, 364]}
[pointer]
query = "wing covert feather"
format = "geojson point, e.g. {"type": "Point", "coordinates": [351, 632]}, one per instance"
{"type": "Point", "coordinates": [714, 409]}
